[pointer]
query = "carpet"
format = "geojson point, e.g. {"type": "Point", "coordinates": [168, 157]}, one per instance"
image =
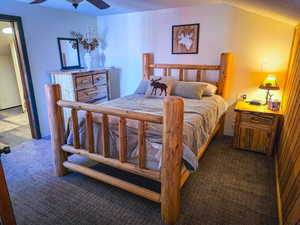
{"type": "Point", "coordinates": [231, 187]}
{"type": "Point", "coordinates": [14, 127]}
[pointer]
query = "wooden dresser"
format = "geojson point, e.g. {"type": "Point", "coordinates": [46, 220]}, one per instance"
{"type": "Point", "coordinates": [255, 128]}
{"type": "Point", "coordinates": [83, 86]}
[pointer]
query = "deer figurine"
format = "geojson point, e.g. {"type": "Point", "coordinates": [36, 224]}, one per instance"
{"type": "Point", "coordinates": [156, 85]}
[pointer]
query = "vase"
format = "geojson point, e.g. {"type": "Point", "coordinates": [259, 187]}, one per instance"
{"type": "Point", "coordinates": [101, 57]}
{"type": "Point", "coordinates": [88, 61]}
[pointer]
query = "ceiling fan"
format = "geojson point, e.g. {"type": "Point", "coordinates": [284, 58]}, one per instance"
{"type": "Point", "coordinates": [98, 3]}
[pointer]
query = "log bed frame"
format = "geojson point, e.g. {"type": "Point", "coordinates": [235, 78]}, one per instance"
{"type": "Point", "coordinates": [172, 174]}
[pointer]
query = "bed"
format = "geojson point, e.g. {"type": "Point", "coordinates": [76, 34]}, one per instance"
{"type": "Point", "coordinates": [160, 139]}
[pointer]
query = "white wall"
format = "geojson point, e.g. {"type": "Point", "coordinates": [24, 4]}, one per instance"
{"type": "Point", "coordinates": [17, 74]}
{"type": "Point", "coordinates": [252, 38]}
{"type": "Point", "coordinates": [9, 93]}
{"type": "Point", "coordinates": [42, 26]}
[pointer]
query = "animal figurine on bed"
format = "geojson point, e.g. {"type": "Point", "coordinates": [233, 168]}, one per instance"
{"type": "Point", "coordinates": [157, 85]}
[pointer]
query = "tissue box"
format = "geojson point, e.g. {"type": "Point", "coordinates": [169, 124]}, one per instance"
{"type": "Point", "coordinates": [274, 105]}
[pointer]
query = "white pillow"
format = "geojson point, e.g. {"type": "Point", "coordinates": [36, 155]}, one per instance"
{"type": "Point", "coordinates": [210, 89]}
{"type": "Point", "coordinates": [142, 88]}
{"type": "Point", "coordinates": [159, 87]}
{"type": "Point", "coordinates": [193, 90]}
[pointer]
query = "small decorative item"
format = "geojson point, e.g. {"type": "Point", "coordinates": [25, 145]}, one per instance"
{"type": "Point", "coordinates": [270, 83]}
{"type": "Point", "coordinates": [88, 43]}
{"type": "Point", "coordinates": [159, 87]}
{"type": "Point", "coordinates": [185, 39]}
{"type": "Point", "coordinates": [274, 105]}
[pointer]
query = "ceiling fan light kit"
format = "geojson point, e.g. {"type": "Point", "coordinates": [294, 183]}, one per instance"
{"type": "Point", "coordinates": [97, 3]}
{"type": "Point", "coordinates": [75, 3]}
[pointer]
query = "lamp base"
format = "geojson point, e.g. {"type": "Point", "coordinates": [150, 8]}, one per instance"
{"type": "Point", "coordinates": [268, 97]}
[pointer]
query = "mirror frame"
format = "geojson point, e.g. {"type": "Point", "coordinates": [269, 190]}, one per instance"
{"type": "Point", "coordinates": [60, 54]}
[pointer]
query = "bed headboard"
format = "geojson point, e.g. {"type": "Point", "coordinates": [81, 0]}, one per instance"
{"type": "Point", "coordinates": [224, 68]}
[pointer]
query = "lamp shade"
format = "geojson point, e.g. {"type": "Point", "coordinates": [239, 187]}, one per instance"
{"type": "Point", "coordinates": [270, 83]}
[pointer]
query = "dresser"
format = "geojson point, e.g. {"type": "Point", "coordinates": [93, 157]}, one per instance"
{"type": "Point", "coordinates": [255, 128]}
{"type": "Point", "coordinates": [83, 86]}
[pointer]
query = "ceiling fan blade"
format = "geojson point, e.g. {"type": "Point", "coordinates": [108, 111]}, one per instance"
{"type": "Point", "coordinates": [99, 4]}
{"type": "Point", "coordinates": [37, 1]}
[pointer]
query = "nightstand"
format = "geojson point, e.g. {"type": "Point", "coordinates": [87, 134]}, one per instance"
{"type": "Point", "coordinates": [255, 127]}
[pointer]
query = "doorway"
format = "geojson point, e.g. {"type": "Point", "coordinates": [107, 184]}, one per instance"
{"type": "Point", "coordinates": [18, 114]}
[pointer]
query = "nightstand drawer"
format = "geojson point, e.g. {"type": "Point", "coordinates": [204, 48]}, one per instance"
{"type": "Point", "coordinates": [257, 140]}
{"type": "Point", "coordinates": [255, 131]}
{"type": "Point", "coordinates": [255, 118]}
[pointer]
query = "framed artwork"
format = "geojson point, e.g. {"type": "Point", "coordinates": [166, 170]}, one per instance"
{"type": "Point", "coordinates": [185, 39]}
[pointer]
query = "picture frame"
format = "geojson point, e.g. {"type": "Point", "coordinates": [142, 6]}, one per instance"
{"type": "Point", "coordinates": [185, 38]}
{"type": "Point", "coordinates": [69, 53]}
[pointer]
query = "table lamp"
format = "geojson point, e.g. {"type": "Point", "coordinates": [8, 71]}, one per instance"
{"type": "Point", "coordinates": [270, 83]}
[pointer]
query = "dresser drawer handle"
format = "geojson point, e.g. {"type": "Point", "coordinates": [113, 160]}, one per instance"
{"type": "Point", "coordinates": [85, 82]}
{"type": "Point", "coordinates": [92, 93]}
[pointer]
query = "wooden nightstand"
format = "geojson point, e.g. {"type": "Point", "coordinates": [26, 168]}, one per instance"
{"type": "Point", "coordinates": [255, 128]}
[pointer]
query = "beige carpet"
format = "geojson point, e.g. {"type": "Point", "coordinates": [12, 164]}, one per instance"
{"type": "Point", "coordinates": [231, 187]}
{"type": "Point", "coordinates": [14, 127]}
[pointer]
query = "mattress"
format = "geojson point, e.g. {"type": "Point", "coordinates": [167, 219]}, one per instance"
{"type": "Point", "coordinates": [200, 119]}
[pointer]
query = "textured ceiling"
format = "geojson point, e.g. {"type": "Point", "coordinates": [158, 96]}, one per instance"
{"type": "Point", "coordinates": [283, 10]}
{"type": "Point", "coordinates": [121, 6]}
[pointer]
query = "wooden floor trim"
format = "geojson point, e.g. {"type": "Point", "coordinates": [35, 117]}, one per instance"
{"type": "Point", "coordinates": [278, 193]}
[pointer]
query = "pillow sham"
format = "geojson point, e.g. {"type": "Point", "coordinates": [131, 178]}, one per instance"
{"type": "Point", "coordinates": [210, 89]}
{"type": "Point", "coordinates": [159, 87]}
{"type": "Point", "coordinates": [142, 88]}
{"type": "Point", "coordinates": [192, 90]}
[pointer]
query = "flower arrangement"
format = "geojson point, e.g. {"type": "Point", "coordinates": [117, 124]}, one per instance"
{"type": "Point", "coordinates": [88, 43]}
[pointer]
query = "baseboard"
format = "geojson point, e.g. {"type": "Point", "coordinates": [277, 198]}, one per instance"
{"type": "Point", "coordinates": [16, 106]}
{"type": "Point", "coordinates": [47, 137]}
{"type": "Point", "coordinates": [278, 193]}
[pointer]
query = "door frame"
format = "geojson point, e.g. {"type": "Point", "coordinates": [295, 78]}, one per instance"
{"type": "Point", "coordinates": [24, 65]}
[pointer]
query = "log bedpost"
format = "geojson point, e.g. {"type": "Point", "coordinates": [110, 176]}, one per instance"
{"type": "Point", "coordinates": [226, 69]}
{"type": "Point", "coordinates": [225, 75]}
{"type": "Point", "coordinates": [147, 60]}
{"type": "Point", "coordinates": [56, 120]}
{"type": "Point", "coordinates": [171, 159]}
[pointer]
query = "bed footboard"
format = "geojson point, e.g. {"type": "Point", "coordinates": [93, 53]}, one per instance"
{"type": "Point", "coordinates": [170, 174]}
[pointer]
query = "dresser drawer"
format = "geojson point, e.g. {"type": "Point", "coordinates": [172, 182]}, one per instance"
{"type": "Point", "coordinates": [99, 79]}
{"type": "Point", "coordinates": [84, 82]}
{"type": "Point", "coordinates": [254, 118]}
{"type": "Point", "coordinates": [92, 94]}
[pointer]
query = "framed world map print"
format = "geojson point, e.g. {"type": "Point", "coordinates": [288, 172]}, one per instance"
{"type": "Point", "coordinates": [185, 39]}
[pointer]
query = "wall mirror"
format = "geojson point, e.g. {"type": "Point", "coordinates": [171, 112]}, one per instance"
{"type": "Point", "coordinates": [69, 53]}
